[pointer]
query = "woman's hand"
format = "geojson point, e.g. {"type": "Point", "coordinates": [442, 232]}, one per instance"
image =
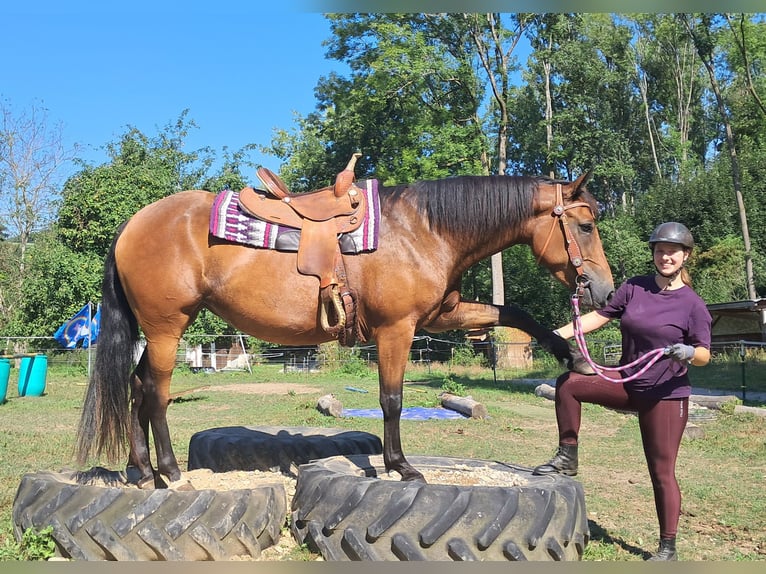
{"type": "Point", "coordinates": [680, 352]}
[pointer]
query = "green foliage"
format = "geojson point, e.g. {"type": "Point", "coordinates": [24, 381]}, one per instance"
{"type": "Point", "coordinates": [625, 247]}
{"type": "Point", "coordinates": [59, 282]}
{"type": "Point", "coordinates": [34, 545]}
{"type": "Point", "coordinates": [343, 360]}
{"type": "Point", "coordinates": [408, 105]}
{"type": "Point", "coordinates": [354, 365]}
{"type": "Point", "coordinates": [718, 272]}
{"type": "Point", "coordinates": [142, 170]}
{"type": "Point", "coordinates": [257, 347]}
{"type": "Point", "coordinates": [450, 385]}
{"type": "Point", "coordinates": [465, 356]}
{"type": "Point", "coordinates": [531, 287]}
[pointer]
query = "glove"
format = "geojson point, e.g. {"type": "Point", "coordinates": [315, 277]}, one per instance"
{"type": "Point", "coordinates": [680, 352]}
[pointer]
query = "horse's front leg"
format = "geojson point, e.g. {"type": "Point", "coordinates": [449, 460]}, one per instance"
{"type": "Point", "coordinates": [472, 315]}
{"type": "Point", "coordinates": [393, 352]}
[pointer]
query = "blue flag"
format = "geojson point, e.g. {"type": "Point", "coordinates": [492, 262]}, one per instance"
{"type": "Point", "coordinates": [95, 326]}
{"type": "Point", "coordinates": [81, 327]}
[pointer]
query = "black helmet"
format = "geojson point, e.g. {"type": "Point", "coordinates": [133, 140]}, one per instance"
{"type": "Point", "coordinates": [672, 232]}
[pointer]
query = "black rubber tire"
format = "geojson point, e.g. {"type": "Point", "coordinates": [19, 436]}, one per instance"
{"type": "Point", "coordinates": [118, 523]}
{"type": "Point", "coordinates": [274, 448]}
{"type": "Point", "coordinates": [343, 511]}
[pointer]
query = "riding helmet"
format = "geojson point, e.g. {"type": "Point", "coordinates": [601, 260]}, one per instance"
{"type": "Point", "coordinates": [672, 232]}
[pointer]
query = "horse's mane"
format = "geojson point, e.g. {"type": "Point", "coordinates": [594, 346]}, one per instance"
{"type": "Point", "coordinates": [471, 204]}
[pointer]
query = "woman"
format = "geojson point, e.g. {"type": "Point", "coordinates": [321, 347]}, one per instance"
{"type": "Point", "coordinates": [655, 311]}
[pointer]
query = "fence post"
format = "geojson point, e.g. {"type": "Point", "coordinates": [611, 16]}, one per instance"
{"type": "Point", "coordinates": [744, 383]}
{"type": "Point", "coordinates": [493, 356]}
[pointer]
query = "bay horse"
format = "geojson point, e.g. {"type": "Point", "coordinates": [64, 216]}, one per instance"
{"type": "Point", "coordinates": [164, 266]}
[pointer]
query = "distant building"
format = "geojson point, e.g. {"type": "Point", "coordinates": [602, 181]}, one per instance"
{"type": "Point", "coordinates": [739, 321]}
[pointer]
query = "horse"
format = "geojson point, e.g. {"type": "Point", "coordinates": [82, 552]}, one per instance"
{"type": "Point", "coordinates": [164, 266]}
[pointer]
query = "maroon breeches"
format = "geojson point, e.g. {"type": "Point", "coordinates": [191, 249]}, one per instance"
{"type": "Point", "coordinates": [662, 423]}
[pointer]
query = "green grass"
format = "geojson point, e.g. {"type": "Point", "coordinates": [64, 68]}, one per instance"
{"type": "Point", "coordinates": [721, 475]}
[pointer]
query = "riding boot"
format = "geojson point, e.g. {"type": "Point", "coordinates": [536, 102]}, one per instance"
{"type": "Point", "coordinates": [565, 462]}
{"type": "Point", "coordinates": [666, 550]}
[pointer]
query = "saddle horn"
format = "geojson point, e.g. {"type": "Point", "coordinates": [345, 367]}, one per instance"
{"type": "Point", "coordinates": [345, 178]}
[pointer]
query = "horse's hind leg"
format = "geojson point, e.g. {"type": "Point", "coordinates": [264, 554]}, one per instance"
{"type": "Point", "coordinates": [139, 432]}
{"type": "Point", "coordinates": [151, 396]}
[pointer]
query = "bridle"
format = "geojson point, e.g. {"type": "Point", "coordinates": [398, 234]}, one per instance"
{"type": "Point", "coordinates": [559, 216]}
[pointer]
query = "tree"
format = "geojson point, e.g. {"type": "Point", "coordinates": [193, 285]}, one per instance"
{"type": "Point", "coordinates": [32, 156]}
{"type": "Point", "coordinates": [671, 85]}
{"type": "Point", "coordinates": [140, 170]}
{"type": "Point", "coordinates": [577, 109]}
{"type": "Point", "coordinates": [495, 44]}
{"type": "Point", "coordinates": [405, 105]}
{"type": "Point", "coordinates": [701, 31]}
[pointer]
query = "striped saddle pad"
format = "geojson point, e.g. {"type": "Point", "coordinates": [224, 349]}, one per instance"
{"type": "Point", "coordinates": [228, 221]}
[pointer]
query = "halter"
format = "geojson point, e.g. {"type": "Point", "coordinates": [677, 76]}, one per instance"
{"type": "Point", "coordinates": [652, 356]}
{"type": "Point", "coordinates": [559, 215]}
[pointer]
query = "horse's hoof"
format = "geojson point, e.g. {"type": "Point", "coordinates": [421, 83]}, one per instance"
{"type": "Point", "coordinates": [181, 484]}
{"type": "Point", "coordinates": [578, 364]}
{"type": "Point", "coordinates": [409, 474]}
{"type": "Point", "coordinates": [416, 477]}
{"type": "Point", "coordinates": [146, 483]}
{"type": "Point", "coordinates": [582, 367]}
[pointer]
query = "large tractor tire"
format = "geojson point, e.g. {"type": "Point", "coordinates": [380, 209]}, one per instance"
{"type": "Point", "coordinates": [125, 523]}
{"type": "Point", "coordinates": [345, 511]}
{"type": "Point", "coordinates": [280, 449]}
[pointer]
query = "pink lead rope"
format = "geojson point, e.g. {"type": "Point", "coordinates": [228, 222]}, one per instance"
{"type": "Point", "coordinates": [652, 356]}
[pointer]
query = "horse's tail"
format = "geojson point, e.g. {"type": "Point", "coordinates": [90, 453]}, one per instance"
{"type": "Point", "coordinates": [105, 414]}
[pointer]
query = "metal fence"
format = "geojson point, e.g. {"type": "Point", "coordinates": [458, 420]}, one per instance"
{"type": "Point", "coordinates": [425, 351]}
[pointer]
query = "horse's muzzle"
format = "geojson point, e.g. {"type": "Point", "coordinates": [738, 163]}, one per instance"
{"type": "Point", "coordinates": [594, 294]}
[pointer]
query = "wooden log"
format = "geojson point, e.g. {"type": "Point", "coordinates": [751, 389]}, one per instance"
{"type": "Point", "coordinates": [465, 405]}
{"type": "Point", "coordinates": [712, 401]}
{"type": "Point", "coordinates": [546, 391]}
{"type": "Point", "coordinates": [758, 411]}
{"type": "Point", "coordinates": [330, 406]}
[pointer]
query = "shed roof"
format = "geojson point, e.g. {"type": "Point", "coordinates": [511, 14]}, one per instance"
{"type": "Point", "coordinates": [737, 307]}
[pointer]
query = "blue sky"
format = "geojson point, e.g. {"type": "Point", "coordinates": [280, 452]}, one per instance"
{"type": "Point", "coordinates": [240, 71]}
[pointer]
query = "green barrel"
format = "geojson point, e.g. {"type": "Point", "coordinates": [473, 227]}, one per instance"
{"type": "Point", "coordinates": [32, 374]}
{"type": "Point", "coordinates": [5, 373]}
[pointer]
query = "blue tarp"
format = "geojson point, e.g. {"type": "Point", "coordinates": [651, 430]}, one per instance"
{"type": "Point", "coordinates": [408, 413]}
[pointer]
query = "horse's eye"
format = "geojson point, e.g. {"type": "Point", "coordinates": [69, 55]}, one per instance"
{"type": "Point", "coordinates": [587, 227]}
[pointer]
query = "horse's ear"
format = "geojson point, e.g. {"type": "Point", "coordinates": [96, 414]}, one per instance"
{"type": "Point", "coordinates": [578, 185]}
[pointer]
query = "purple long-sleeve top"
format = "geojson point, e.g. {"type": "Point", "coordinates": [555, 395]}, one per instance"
{"type": "Point", "coordinates": [651, 318]}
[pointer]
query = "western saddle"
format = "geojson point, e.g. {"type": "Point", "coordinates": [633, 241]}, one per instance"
{"type": "Point", "coordinates": [321, 215]}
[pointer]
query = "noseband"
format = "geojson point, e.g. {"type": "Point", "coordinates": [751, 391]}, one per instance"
{"type": "Point", "coordinates": [559, 215]}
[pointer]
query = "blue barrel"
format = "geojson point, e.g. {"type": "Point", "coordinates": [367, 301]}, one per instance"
{"type": "Point", "coordinates": [32, 373]}
{"type": "Point", "coordinates": [5, 373]}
